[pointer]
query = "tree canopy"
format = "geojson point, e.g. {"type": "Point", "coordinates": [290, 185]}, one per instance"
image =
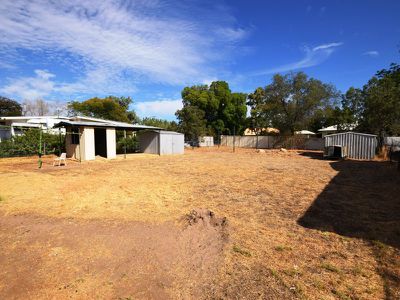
{"type": "Point", "coordinates": [9, 107]}
{"type": "Point", "coordinates": [379, 103]}
{"type": "Point", "coordinates": [293, 102]}
{"type": "Point", "coordinates": [212, 110]}
{"type": "Point", "coordinates": [110, 108]}
{"type": "Point", "coordinates": [165, 124]}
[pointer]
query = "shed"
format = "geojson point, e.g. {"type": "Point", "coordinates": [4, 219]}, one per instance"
{"type": "Point", "coordinates": [161, 142]}
{"type": "Point", "coordinates": [359, 145]}
{"type": "Point", "coordinates": [86, 139]}
{"type": "Point", "coordinates": [206, 141]}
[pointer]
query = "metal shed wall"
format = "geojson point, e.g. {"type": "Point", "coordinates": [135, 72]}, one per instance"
{"type": "Point", "coordinates": [359, 145]}
{"type": "Point", "coordinates": [149, 142]}
{"type": "Point", "coordinates": [161, 142]}
{"type": "Point", "coordinates": [171, 142]}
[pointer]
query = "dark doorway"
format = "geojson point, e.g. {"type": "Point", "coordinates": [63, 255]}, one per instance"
{"type": "Point", "coordinates": [100, 142]}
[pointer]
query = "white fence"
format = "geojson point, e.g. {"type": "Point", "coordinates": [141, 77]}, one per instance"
{"type": "Point", "coordinates": [271, 142]}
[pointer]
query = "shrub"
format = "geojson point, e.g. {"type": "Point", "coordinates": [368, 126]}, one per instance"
{"type": "Point", "coordinates": [28, 144]}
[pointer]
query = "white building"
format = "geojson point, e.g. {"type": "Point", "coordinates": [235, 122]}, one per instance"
{"type": "Point", "coordinates": [334, 129]}
{"type": "Point", "coordinates": [12, 126]}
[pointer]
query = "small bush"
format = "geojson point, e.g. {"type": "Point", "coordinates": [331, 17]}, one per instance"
{"type": "Point", "coordinates": [28, 144]}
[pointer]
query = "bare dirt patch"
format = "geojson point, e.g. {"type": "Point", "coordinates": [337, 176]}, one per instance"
{"type": "Point", "coordinates": [62, 258]}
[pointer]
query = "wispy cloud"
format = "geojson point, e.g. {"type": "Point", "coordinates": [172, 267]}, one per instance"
{"type": "Point", "coordinates": [313, 57]}
{"type": "Point", "coordinates": [163, 109]}
{"type": "Point", "coordinates": [44, 85]}
{"type": "Point", "coordinates": [132, 41]}
{"type": "Point", "coordinates": [372, 53]}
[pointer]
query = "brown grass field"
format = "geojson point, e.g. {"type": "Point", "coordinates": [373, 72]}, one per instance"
{"type": "Point", "coordinates": [297, 227]}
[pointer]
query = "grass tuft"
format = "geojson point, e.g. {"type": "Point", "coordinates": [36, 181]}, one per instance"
{"type": "Point", "coordinates": [241, 251]}
{"type": "Point", "coordinates": [330, 268]}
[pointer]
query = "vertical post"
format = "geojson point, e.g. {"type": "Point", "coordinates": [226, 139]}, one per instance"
{"type": "Point", "coordinates": [234, 137]}
{"type": "Point", "coordinates": [59, 141]}
{"type": "Point", "coordinates": [40, 147]}
{"type": "Point", "coordinates": [125, 143]}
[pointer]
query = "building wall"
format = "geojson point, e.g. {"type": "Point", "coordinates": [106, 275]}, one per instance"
{"type": "Point", "coordinates": [111, 143]}
{"type": "Point", "coordinates": [359, 145]}
{"type": "Point", "coordinates": [162, 143]}
{"type": "Point", "coordinates": [87, 143]}
{"type": "Point", "coordinates": [206, 141]}
{"type": "Point", "coordinates": [149, 142]}
{"type": "Point", "coordinates": [71, 149]}
{"type": "Point", "coordinates": [171, 143]}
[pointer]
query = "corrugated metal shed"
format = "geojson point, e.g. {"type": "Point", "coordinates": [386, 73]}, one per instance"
{"type": "Point", "coordinates": [161, 142]}
{"type": "Point", "coordinates": [359, 145]}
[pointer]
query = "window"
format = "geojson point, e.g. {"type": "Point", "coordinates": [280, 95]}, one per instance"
{"type": "Point", "coordinates": [75, 136]}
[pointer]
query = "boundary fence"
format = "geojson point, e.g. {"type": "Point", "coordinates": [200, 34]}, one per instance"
{"type": "Point", "coordinates": [273, 142]}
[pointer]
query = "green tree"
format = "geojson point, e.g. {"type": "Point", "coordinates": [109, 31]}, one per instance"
{"type": "Point", "coordinates": [381, 103]}
{"type": "Point", "coordinates": [152, 121]}
{"type": "Point", "coordinates": [223, 110]}
{"type": "Point", "coordinates": [292, 101]}
{"type": "Point", "coordinates": [9, 107]}
{"type": "Point", "coordinates": [191, 122]}
{"type": "Point", "coordinates": [110, 108]}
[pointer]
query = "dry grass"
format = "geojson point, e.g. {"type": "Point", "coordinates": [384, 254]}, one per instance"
{"type": "Point", "coordinates": [263, 195]}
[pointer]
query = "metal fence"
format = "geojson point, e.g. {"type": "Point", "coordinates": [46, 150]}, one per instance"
{"type": "Point", "coordinates": [359, 145]}
{"type": "Point", "coordinates": [273, 142]}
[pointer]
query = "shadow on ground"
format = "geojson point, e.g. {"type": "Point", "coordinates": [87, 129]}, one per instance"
{"type": "Point", "coordinates": [363, 201]}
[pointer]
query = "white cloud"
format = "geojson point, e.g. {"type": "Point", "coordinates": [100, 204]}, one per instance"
{"type": "Point", "coordinates": [372, 53]}
{"type": "Point", "coordinates": [163, 109]}
{"type": "Point", "coordinates": [31, 87]}
{"type": "Point", "coordinates": [313, 57]}
{"type": "Point", "coordinates": [44, 85]}
{"type": "Point", "coordinates": [127, 43]}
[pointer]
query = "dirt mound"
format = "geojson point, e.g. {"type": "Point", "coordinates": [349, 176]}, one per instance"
{"type": "Point", "coordinates": [205, 217]}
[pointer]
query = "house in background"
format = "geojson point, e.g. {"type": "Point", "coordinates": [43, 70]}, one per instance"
{"type": "Point", "coordinates": [305, 133]}
{"type": "Point", "coordinates": [334, 129]}
{"type": "Point", "coordinates": [261, 131]}
{"type": "Point", "coordinates": [14, 126]}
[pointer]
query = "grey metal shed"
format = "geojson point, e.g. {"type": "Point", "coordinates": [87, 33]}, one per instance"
{"type": "Point", "coordinates": [161, 142]}
{"type": "Point", "coordinates": [359, 145]}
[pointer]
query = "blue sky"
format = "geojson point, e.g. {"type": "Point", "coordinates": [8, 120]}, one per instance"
{"type": "Point", "coordinates": [151, 49]}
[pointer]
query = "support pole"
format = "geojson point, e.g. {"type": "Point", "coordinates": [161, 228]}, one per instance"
{"type": "Point", "coordinates": [40, 147]}
{"type": "Point", "coordinates": [125, 143]}
{"type": "Point", "coordinates": [234, 137]}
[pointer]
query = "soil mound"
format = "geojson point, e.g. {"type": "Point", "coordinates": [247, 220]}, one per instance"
{"type": "Point", "coordinates": [205, 217]}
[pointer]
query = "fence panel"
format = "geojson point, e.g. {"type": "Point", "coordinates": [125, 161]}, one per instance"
{"type": "Point", "coordinates": [273, 142]}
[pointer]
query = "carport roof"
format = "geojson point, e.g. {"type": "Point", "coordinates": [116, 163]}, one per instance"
{"type": "Point", "coordinates": [119, 125]}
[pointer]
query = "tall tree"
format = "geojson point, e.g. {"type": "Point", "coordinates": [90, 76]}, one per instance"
{"type": "Point", "coordinates": [381, 103]}
{"type": "Point", "coordinates": [191, 122]}
{"type": "Point", "coordinates": [9, 107]}
{"type": "Point", "coordinates": [38, 107]}
{"type": "Point", "coordinates": [291, 101]}
{"type": "Point", "coordinates": [223, 110]}
{"type": "Point", "coordinates": [110, 108]}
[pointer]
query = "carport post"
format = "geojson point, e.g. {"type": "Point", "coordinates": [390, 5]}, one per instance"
{"type": "Point", "coordinates": [125, 143]}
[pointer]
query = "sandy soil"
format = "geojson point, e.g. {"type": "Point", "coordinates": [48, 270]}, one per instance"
{"type": "Point", "coordinates": [297, 227]}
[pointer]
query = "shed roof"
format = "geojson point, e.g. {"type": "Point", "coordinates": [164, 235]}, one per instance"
{"type": "Point", "coordinates": [119, 125]}
{"type": "Point", "coordinates": [350, 132]}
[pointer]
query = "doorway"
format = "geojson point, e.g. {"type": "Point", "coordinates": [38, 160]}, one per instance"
{"type": "Point", "coordinates": [100, 142]}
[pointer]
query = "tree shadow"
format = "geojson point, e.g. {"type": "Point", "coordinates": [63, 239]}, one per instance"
{"type": "Point", "coordinates": [312, 154]}
{"type": "Point", "coordinates": [363, 201]}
